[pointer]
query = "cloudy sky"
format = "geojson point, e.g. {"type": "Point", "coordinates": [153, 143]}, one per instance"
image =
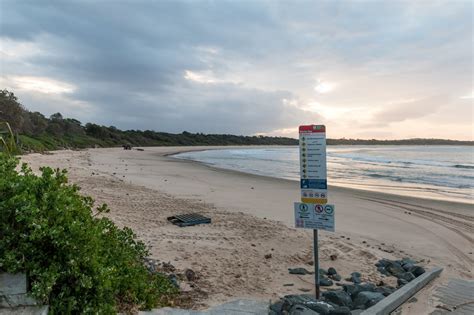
{"type": "Point", "coordinates": [366, 69]}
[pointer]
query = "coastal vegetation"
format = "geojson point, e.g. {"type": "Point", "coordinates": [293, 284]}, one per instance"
{"type": "Point", "coordinates": [35, 132]}
{"type": "Point", "coordinates": [76, 260]}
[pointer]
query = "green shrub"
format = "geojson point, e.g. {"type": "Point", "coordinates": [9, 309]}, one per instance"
{"type": "Point", "coordinates": [76, 261]}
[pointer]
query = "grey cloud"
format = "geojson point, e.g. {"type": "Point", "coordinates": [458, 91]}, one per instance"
{"type": "Point", "coordinates": [128, 58]}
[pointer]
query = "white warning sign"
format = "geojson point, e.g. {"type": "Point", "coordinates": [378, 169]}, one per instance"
{"type": "Point", "coordinates": [314, 216]}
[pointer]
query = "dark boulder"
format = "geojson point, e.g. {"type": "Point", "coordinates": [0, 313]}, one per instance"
{"type": "Point", "coordinates": [355, 277]}
{"type": "Point", "coordinates": [354, 289]}
{"type": "Point", "coordinates": [323, 271]}
{"type": "Point", "coordinates": [332, 271]}
{"type": "Point", "coordinates": [299, 271]}
{"type": "Point", "coordinates": [395, 268]}
{"type": "Point", "coordinates": [299, 309]}
{"type": "Point", "coordinates": [408, 266]}
{"type": "Point", "coordinates": [385, 290]}
{"type": "Point", "coordinates": [407, 260]}
{"type": "Point", "coordinates": [339, 297]}
{"type": "Point", "coordinates": [408, 276]}
{"type": "Point", "coordinates": [367, 299]}
{"type": "Point", "coordinates": [383, 271]}
{"type": "Point", "coordinates": [325, 282]}
{"type": "Point", "coordinates": [383, 263]}
{"type": "Point", "coordinates": [418, 271]}
{"type": "Point", "coordinates": [276, 307]}
{"type": "Point", "coordinates": [307, 301]}
{"type": "Point", "coordinates": [335, 277]}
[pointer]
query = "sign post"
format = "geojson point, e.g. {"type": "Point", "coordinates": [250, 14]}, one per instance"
{"type": "Point", "coordinates": [313, 212]}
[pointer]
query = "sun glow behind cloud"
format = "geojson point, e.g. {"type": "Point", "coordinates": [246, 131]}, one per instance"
{"type": "Point", "coordinates": [40, 84]}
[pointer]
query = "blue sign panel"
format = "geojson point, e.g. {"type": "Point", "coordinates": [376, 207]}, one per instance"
{"type": "Point", "coordinates": [314, 184]}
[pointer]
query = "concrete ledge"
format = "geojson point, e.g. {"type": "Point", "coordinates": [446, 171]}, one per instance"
{"type": "Point", "coordinates": [394, 300]}
{"type": "Point", "coordinates": [25, 310]}
{"type": "Point", "coordinates": [12, 283]}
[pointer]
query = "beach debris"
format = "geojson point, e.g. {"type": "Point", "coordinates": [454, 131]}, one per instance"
{"type": "Point", "coordinates": [333, 257]}
{"type": "Point", "coordinates": [126, 147]}
{"type": "Point", "coordinates": [268, 256]}
{"type": "Point", "coordinates": [299, 271]}
{"type": "Point", "coordinates": [190, 219]}
{"type": "Point", "coordinates": [288, 284]}
{"type": "Point", "coordinates": [168, 267]}
{"type": "Point", "coordinates": [190, 275]}
{"type": "Point", "coordinates": [139, 149]}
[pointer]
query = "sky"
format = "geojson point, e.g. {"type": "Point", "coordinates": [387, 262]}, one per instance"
{"type": "Point", "coordinates": [365, 69]}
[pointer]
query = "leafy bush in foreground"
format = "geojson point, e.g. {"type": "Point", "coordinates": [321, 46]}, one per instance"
{"type": "Point", "coordinates": [75, 261]}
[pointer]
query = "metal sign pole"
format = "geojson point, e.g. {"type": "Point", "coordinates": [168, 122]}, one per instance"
{"type": "Point", "coordinates": [316, 262]}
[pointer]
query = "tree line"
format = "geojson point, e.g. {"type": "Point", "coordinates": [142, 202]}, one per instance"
{"type": "Point", "coordinates": [35, 132]}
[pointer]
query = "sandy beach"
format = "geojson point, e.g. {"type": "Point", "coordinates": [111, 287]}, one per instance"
{"type": "Point", "coordinates": [252, 217]}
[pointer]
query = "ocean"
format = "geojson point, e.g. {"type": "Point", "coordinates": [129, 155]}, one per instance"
{"type": "Point", "coordinates": [435, 172]}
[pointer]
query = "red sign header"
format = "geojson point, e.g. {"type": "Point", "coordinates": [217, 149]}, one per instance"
{"type": "Point", "coordinates": [312, 128]}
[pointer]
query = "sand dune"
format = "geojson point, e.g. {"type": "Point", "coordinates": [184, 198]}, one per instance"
{"type": "Point", "coordinates": [252, 217]}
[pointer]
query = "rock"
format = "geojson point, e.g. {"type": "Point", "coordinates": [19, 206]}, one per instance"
{"type": "Point", "coordinates": [401, 282]}
{"type": "Point", "coordinates": [299, 271]}
{"type": "Point", "coordinates": [354, 289]}
{"type": "Point", "coordinates": [190, 275]}
{"type": "Point", "coordinates": [407, 260]}
{"type": "Point", "coordinates": [325, 282]}
{"type": "Point", "coordinates": [367, 299]}
{"type": "Point", "coordinates": [408, 266]}
{"type": "Point", "coordinates": [288, 284]}
{"type": "Point", "coordinates": [268, 256]}
{"type": "Point", "coordinates": [335, 277]}
{"type": "Point", "coordinates": [332, 271]}
{"type": "Point", "coordinates": [304, 289]}
{"type": "Point", "coordinates": [418, 271]}
{"type": "Point", "coordinates": [299, 309]}
{"type": "Point", "coordinates": [339, 297]}
{"type": "Point", "coordinates": [383, 263]}
{"type": "Point", "coordinates": [385, 290]}
{"type": "Point", "coordinates": [323, 271]}
{"type": "Point", "coordinates": [308, 301]}
{"type": "Point", "coordinates": [276, 307]}
{"type": "Point", "coordinates": [355, 277]}
{"type": "Point", "coordinates": [341, 310]}
{"type": "Point", "coordinates": [408, 276]}
{"type": "Point", "coordinates": [383, 271]}
{"type": "Point", "coordinates": [395, 268]}
{"type": "Point", "coordinates": [174, 280]}
{"type": "Point", "coordinates": [333, 257]}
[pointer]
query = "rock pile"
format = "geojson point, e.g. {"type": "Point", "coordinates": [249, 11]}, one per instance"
{"type": "Point", "coordinates": [352, 297]}
{"type": "Point", "coordinates": [404, 270]}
